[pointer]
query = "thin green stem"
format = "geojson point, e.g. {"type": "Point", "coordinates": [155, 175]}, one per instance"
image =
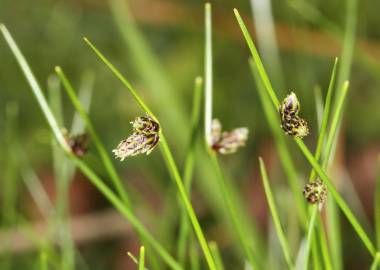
{"type": "Point", "coordinates": [275, 216]}
{"type": "Point", "coordinates": [260, 67]}
{"type": "Point", "coordinates": [87, 171]}
{"type": "Point", "coordinates": [189, 208]}
{"type": "Point", "coordinates": [117, 182]}
{"type": "Point", "coordinates": [283, 151]}
{"type": "Point", "coordinates": [43, 261]}
{"type": "Point", "coordinates": [120, 206]}
{"type": "Point", "coordinates": [309, 238]}
{"type": "Point", "coordinates": [323, 245]}
{"type": "Point", "coordinates": [342, 204]}
{"type": "Point", "coordinates": [35, 86]}
{"type": "Point", "coordinates": [142, 259]}
{"type": "Point", "coordinates": [326, 113]}
{"type": "Point", "coordinates": [168, 158]}
{"type": "Point", "coordinates": [184, 226]}
{"type": "Point", "coordinates": [216, 254]}
{"type": "Point", "coordinates": [317, 155]}
{"type": "Point", "coordinates": [376, 262]}
{"type": "Point", "coordinates": [233, 213]}
{"type": "Point", "coordinates": [377, 206]}
{"type": "Point", "coordinates": [62, 175]}
{"type": "Point", "coordinates": [117, 73]}
{"type": "Point", "coordinates": [208, 73]}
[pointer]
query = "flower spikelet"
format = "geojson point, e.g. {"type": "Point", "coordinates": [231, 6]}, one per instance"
{"type": "Point", "coordinates": [227, 142]}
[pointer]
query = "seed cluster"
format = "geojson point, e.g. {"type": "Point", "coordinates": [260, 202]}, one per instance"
{"type": "Point", "coordinates": [144, 138]}
{"type": "Point", "coordinates": [227, 142]}
{"type": "Point", "coordinates": [78, 143]}
{"type": "Point", "coordinates": [315, 192]}
{"type": "Point", "coordinates": [291, 123]}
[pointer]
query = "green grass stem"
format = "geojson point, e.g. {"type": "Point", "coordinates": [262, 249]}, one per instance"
{"type": "Point", "coordinates": [208, 72]}
{"type": "Point", "coordinates": [377, 206]}
{"type": "Point", "coordinates": [216, 254]}
{"type": "Point", "coordinates": [170, 163]}
{"type": "Point", "coordinates": [275, 216]}
{"type": "Point", "coordinates": [306, 152]}
{"type": "Point", "coordinates": [184, 226]}
{"type": "Point", "coordinates": [325, 118]}
{"type": "Point", "coordinates": [142, 259]}
{"type": "Point", "coordinates": [87, 171]}
{"type": "Point", "coordinates": [235, 215]}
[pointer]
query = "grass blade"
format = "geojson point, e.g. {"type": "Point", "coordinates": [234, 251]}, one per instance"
{"type": "Point", "coordinates": [309, 238]}
{"type": "Point", "coordinates": [377, 206]}
{"type": "Point", "coordinates": [275, 216]}
{"type": "Point", "coordinates": [117, 73]}
{"type": "Point", "coordinates": [342, 204]}
{"type": "Point", "coordinates": [158, 84]}
{"type": "Point", "coordinates": [43, 261]}
{"type": "Point", "coordinates": [235, 214]}
{"type": "Point", "coordinates": [318, 105]}
{"type": "Point", "coordinates": [142, 259]}
{"type": "Point", "coordinates": [169, 160]}
{"type": "Point", "coordinates": [325, 118]}
{"type": "Point", "coordinates": [260, 67]}
{"type": "Point", "coordinates": [62, 176]}
{"type": "Point", "coordinates": [283, 151]}
{"type": "Point", "coordinates": [184, 226]}
{"type": "Point", "coordinates": [94, 136]}
{"type": "Point", "coordinates": [208, 73]}
{"type": "Point", "coordinates": [216, 254]}
{"type": "Point", "coordinates": [376, 262]}
{"type": "Point", "coordinates": [35, 87]}
{"type": "Point", "coordinates": [88, 172]}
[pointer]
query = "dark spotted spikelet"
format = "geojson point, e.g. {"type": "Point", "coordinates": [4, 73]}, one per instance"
{"type": "Point", "coordinates": [145, 125]}
{"type": "Point", "coordinates": [77, 143]}
{"type": "Point", "coordinates": [229, 141]}
{"type": "Point", "coordinates": [315, 192]}
{"type": "Point", "coordinates": [143, 140]}
{"type": "Point", "coordinates": [291, 123]}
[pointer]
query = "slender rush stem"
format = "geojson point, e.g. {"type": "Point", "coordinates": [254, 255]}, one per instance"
{"type": "Point", "coordinates": [117, 73]}
{"type": "Point", "coordinates": [326, 113]}
{"type": "Point", "coordinates": [309, 238]}
{"type": "Point", "coordinates": [233, 213]}
{"type": "Point", "coordinates": [189, 208]}
{"type": "Point", "coordinates": [283, 151]}
{"type": "Point", "coordinates": [275, 216]}
{"type": "Point", "coordinates": [167, 156]}
{"type": "Point", "coordinates": [87, 171]}
{"type": "Point", "coordinates": [184, 226]}
{"type": "Point", "coordinates": [376, 262]}
{"type": "Point", "coordinates": [377, 206]}
{"type": "Point", "coordinates": [35, 86]}
{"type": "Point", "coordinates": [216, 254]}
{"type": "Point", "coordinates": [94, 136]}
{"type": "Point", "coordinates": [208, 73]}
{"type": "Point", "coordinates": [142, 259]}
{"type": "Point", "coordinates": [342, 204]}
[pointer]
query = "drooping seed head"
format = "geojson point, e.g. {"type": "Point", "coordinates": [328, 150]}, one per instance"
{"type": "Point", "coordinates": [315, 192]}
{"type": "Point", "coordinates": [229, 141]}
{"type": "Point", "coordinates": [216, 131]}
{"type": "Point", "coordinates": [137, 143]}
{"type": "Point", "coordinates": [144, 139]}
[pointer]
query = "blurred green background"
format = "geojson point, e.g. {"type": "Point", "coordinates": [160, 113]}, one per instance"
{"type": "Point", "coordinates": [159, 46]}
